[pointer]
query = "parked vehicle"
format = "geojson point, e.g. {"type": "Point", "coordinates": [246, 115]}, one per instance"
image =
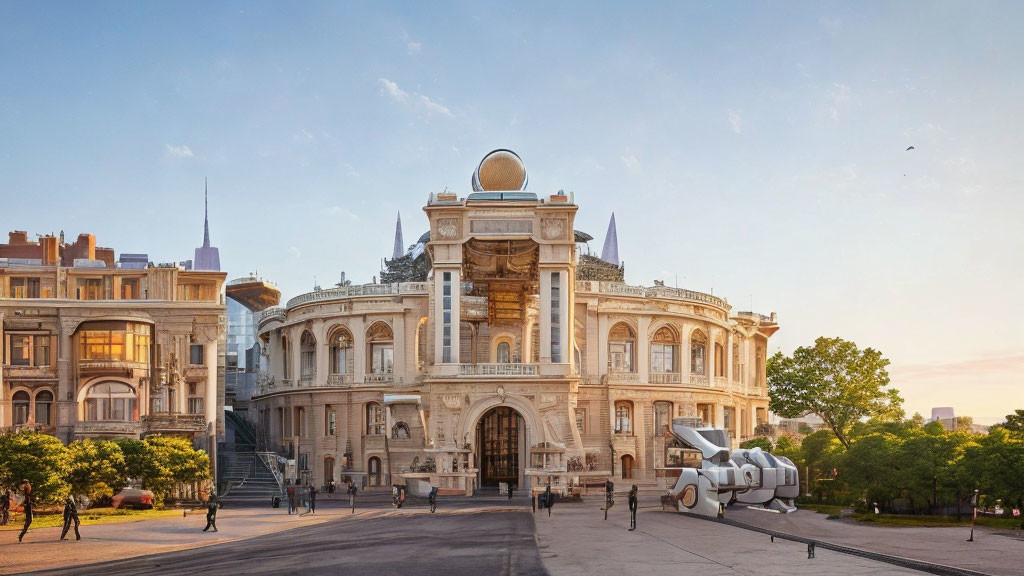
{"type": "Point", "coordinates": [133, 498]}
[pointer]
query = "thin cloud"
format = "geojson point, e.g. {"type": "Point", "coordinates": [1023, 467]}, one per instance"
{"type": "Point", "coordinates": [182, 151]}
{"type": "Point", "coordinates": [411, 46]}
{"type": "Point", "coordinates": [977, 367]}
{"type": "Point", "coordinates": [736, 121]}
{"type": "Point", "coordinates": [295, 251]}
{"type": "Point", "coordinates": [630, 160]}
{"type": "Point", "coordinates": [412, 99]}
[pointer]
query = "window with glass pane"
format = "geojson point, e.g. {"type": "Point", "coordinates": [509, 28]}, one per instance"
{"type": "Point", "coordinates": [44, 400]}
{"type": "Point", "coordinates": [93, 289]}
{"type": "Point", "coordinates": [556, 308]}
{"type": "Point", "coordinates": [18, 288]}
{"type": "Point", "coordinates": [698, 347]}
{"type": "Point", "coordinates": [129, 289]}
{"type": "Point", "coordinates": [331, 423]}
{"type": "Point", "coordinates": [504, 352]}
{"type": "Point", "coordinates": [663, 358]}
{"type": "Point", "coordinates": [21, 346]}
{"type": "Point", "coordinates": [21, 408]}
{"type": "Point", "coordinates": [195, 354]}
{"type": "Point", "coordinates": [111, 401]}
{"type": "Point", "coordinates": [375, 419]}
{"type": "Point", "coordinates": [383, 358]}
{"type": "Point", "coordinates": [195, 405]}
{"type": "Point", "coordinates": [446, 307]}
{"type": "Point", "coordinates": [622, 417]}
{"type": "Point", "coordinates": [42, 350]}
{"type": "Point", "coordinates": [620, 348]}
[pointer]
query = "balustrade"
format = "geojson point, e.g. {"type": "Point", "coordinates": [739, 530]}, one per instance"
{"type": "Point", "coordinates": [499, 369]}
{"type": "Point", "coordinates": [699, 380]}
{"type": "Point", "coordinates": [665, 378]}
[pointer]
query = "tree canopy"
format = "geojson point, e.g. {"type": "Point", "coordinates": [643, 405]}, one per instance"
{"type": "Point", "coordinates": [836, 381]}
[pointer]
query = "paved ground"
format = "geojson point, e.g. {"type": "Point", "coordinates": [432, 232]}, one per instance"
{"type": "Point", "coordinates": [576, 541]}
{"type": "Point", "coordinates": [490, 535]}
{"type": "Point", "coordinates": [992, 552]}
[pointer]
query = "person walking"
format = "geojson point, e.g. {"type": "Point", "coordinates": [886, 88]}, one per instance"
{"type": "Point", "coordinates": [27, 504]}
{"type": "Point", "coordinates": [352, 496]}
{"type": "Point", "coordinates": [609, 497]}
{"type": "Point", "coordinates": [211, 513]}
{"type": "Point", "coordinates": [549, 500]}
{"type": "Point", "coordinates": [5, 507]}
{"type": "Point", "coordinates": [511, 488]}
{"type": "Point", "coordinates": [432, 499]}
{"type": "Point", "coordinates": [312, 499]}
{"type": "Point", "coordinates": [291, 497]}
{"type": "Point", "coordinates": [70, 515]}
{"type": "Point", "coordinates": [632, 508]}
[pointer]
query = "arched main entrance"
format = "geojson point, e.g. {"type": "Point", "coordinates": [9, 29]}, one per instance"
{"type": "Point", "coordinates": [373, 471]}
{"type": "Point", "coordinates": [498, 437]}
{"type": "Point", "coordinates": [627, 467]}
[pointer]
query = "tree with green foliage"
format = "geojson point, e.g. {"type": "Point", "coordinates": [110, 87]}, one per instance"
{"type": "Point", "coordinates": [835, 380]}
{"type": "Point", "coordinates": [185, 464]}
{"type": "Point", "coordinates": [762, 442]}
{"type": "Point", "coordinates": [39, 458]}
{"type": "Point", "coordinates": [97, 468]}
{"type": "Point", "coordinates": [142, 464]}
{"type": "Point", "coordinates": [1014, 424]}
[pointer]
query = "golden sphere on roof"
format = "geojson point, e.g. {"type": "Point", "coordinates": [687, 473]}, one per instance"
{"type": "Point", "coordinates": [500, 170]}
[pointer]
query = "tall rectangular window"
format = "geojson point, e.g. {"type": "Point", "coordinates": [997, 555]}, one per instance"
{"type": "Point", "coordinates": [20, 350]}
{"type": "Point", "coordinates": [446, 310]}
{"type": "Point", "coordinates": [556, 316]}
{"type": "Point", "coordinates": [129, 289]}
{"type": "Point", "coordinates": [195, 354]}
{"type": "Point", "coordinates": [18, 288]}
{"type": "Point", "coordinates": [332, 422]}
{"type": "Point", "coordinates": [42, 351]}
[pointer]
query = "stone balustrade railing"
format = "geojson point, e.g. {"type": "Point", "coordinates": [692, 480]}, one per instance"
{"type": "Point", "coordinates": [619, 289]}
{"type": "Point", "coordinates": [339, 379]}
{"type": "Point", "coordinates": [665, 378]}
{"type": "Point", "coordinates": [499, 369]}
{"type": "Point", "coordinates": [699, 380]}
{"type": "Point", "coordinates": [358, 290]}
{"type": "Point", "coordinates": [615, 376]}
{"type": "Point", "coordinates": [379, 377]}
{"type": "Point", "coordinates": [721, 382]}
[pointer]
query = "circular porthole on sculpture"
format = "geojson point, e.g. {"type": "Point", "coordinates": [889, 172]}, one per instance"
{"type": "Point", "coordinates": [689, 498]}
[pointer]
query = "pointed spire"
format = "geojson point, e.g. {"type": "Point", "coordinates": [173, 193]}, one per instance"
{"type": "Point", "coordinates": [206, 214]}
{"type": "Point", "coordinates": [610, 253]}
{"type": "Point", "coordinates": [399, 244]}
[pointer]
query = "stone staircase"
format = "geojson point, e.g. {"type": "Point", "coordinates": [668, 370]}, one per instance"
{"type": "Point", "coordinates": [256, 484]}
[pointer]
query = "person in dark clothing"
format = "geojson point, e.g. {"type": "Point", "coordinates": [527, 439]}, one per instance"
{"type": "Point", "coordinates": [352, 496]}
{"type": "Point", "coordinates": [549, 500]}
{"type": "Point", "coordinates": [432, 499]}
{"type": "Point", "coordinates": [632, 508]}
{"type": "Point", "coordinates": [312, 499]}
{"type": "Point", "coordinates": [5, 507]}
{"type": "Point", "coordinates": [609, 497]}
{"type": "Point", "coordinates": [27, 504]}
{"type": "Point", "coordinates": [511, 487]}
{"type": "Point", "coordinates": [70, 515]}
{"type": "Point", "coordinates": [211, 513]}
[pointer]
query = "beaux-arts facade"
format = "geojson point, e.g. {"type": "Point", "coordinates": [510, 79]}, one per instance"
{"type": "Point", "coordinates": [503, 366]}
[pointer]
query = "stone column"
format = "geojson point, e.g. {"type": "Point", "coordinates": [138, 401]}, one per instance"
{"type": "Point", "coordinates": [210, 398]}
{"type": "Point", "coordinates": [709, 357]}
{"type": "Point", "coordinates": [398, 332]}
{"type": "Point", "coordinates": [643, 348]}
{"type": "Point", "coordinates": [66, 405]}
{"type": "Point", "coordinates": [728, 358]}
{"type": "Point", "coordinates": [684, 355]}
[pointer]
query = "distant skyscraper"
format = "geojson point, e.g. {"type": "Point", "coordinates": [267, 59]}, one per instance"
{"type": "Point", "coordinates": [399, 244]}
{"type": "Point", "coordinates": [610, 253]}
{"type": "Point", "coordinates": [207, 257]}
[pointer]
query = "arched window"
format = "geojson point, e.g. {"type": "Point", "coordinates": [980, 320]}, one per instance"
{"type": "Point", "coordinates": [307, 351]}
{"type": "Point", "coordinates": [375, 421]}
{"type": "Point", "coordinates": [381, 344]}
{"type": "Point", "coordinates": [111, 401]}
{"type": "Point", "coordinates": [698, 350]}
{"type": "Point", "coordinates": [44, 400]}
{"type": "Point", "coordinates": [623, 417]}
{"type": "Point", "coordinates": [662, 417]}
{"type": "Point", "coordinates": [328, 469]}
{"type": "Point", "coordinates": [20, 401]}
{"type": "Point", "coordinates": [341, 351]}
{"type": "Point", "coordinates": [373, 467]}
{"type": "Point", "coordinates": [504, 353]}
{"type": "Point", "coordinates": [621, 340]}
{"type": "Point", "coordinates": [664, 351]}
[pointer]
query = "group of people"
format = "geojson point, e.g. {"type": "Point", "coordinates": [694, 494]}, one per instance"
{"type": "Point", "coordinates": [547, 500]}
{"type": "Point", "coordinates": [294, 492]}
{"type": "Point", "coordinates": [27, 504]}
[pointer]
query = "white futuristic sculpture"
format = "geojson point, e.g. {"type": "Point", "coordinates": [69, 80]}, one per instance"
{"type": "Point", "coordinates": [710, 479]}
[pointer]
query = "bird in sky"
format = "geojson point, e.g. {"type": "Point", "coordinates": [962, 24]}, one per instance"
{"type": "Point", "coordinates": [909, 148]}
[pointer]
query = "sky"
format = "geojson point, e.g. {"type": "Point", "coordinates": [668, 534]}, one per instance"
{"type": "Point", "coordinates": [752, 150]}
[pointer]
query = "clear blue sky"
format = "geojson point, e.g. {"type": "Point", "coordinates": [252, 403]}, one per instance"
{"type": "Point", "coordinates": [756, 149]}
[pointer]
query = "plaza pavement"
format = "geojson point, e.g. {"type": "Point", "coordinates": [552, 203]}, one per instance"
{"type": "Point", "coordinates": [489, 535]}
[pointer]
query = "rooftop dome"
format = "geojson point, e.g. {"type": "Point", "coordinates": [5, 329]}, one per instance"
{"type": "Point", "coordinates": [500, 170]}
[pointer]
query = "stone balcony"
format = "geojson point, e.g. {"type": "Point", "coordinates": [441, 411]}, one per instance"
{"type": "Point", "coordinates": [665, 378]}
{"type": "Point", "coordinates": [30, 372]}
{"type": "Point", "coordinates": [339, 379]}
{"type": "Point", "coordinates": [499, 369]}
{"type": "Point", "coordinates": [90, 429]}
{"type": "Point", "coordinates": [165, 423]}
{"type": "Point", "coordinates": [379, 378]}
{"type": "Point", "coordinates": [699, 380]}
{"type": "Point", "coordinates": [195, 373]}
{"type": "Point", "coordinates": [108, 366]}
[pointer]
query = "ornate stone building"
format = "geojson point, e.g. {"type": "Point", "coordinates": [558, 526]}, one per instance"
{"type": "Point", "coordinates": [501, 365]}
{"type": "Point", "coordinates": [93, 348]}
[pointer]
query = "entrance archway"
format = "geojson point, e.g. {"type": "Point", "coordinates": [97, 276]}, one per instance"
{"type": "Point", "coordinates": [373, 471]}
{"type": "Point", "coordinates": [498, 439]}
{"type": "Point", "coordinates": [627, 467]}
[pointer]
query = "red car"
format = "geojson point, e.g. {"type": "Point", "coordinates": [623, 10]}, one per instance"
{"type": "Point", "coordinates": [133, 498]}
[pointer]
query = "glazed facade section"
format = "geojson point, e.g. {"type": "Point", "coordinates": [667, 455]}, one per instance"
{"type": "Point", "coordinates": [502, 367]}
